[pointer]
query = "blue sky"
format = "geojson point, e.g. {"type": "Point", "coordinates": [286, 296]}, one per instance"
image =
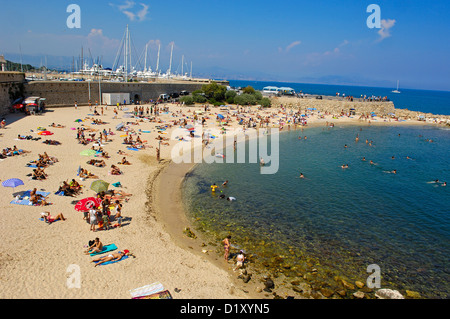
{"type": "Point", "coordinates": [300, 41]}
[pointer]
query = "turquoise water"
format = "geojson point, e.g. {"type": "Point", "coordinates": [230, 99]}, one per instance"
{"type": "Point", "coordinates": [337, 220]}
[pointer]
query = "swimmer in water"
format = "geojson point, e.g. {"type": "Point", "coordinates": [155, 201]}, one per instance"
{"type": "Point", "coordinates": [225, 183]}
{"type": "Point", "coordinates": [363, 159]}
{"type": "Point", "coordinates": [301, 175]}
{"type": "Point", "coordinates": [214, 187]}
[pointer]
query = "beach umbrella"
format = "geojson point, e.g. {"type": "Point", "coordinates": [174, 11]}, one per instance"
{"type": "Point", "coordinates": [99, 186]}
{"type": "Point", "coordinates": [12, 182]}
{"type": "Point", "coordinates": [119, 126]}
{"type": "Point", "coordinates": [220, 116]}
{"type": "Point", "coordinates": [88, 152]}
{"type": "Point", "coordinates": [79, 120]}
{"type": "Point", "coordinates": [87, 203]}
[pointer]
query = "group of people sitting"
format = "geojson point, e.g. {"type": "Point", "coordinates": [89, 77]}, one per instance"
{"type": "Point", "coordinates": [44, 160]}
{"type": "Point", "coordinates": [14, 151]}
{"type": "Point", "coordinates": [138, 143]}
{"type": "Point", "coordinates": [73, 188]}
{"type": "Point", "coordinates": [37, 199]}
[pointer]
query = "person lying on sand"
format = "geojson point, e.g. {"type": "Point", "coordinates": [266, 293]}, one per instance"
{"type": "Point", "coordinates": [51, 142]}
{"type": "Point", "coordinates": [110, 257]}
{"type": "Point", "coordinates": [57, 125]}
{"type": "Point", "coordinates": [50, 219]}
{"type": "Point", "coordinates": [97, 163]}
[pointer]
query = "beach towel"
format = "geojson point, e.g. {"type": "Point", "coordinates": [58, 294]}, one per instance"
{"type": "Point", "coordinates": [159, 295]}
{"type": "Point", "coordinates": [113, 261]}
{"type": "Point", "coordinates": [132, 149]}
{"type": "Point", "coordinates": [105, 249]}
{"type": "Point", "coordinates": [42, 219]}
{"type": "Point", "coordinates": [25, 198]}
{"type": "Point", "coordinates": [147, 290]}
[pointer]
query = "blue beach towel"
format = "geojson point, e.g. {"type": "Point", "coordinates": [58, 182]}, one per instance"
{"type": "Point", "coordinates": [132, 149]}
{"type": "Point", "coordinates": [106, 249]}
{"type": "Point", "coordinates": [42, 219]}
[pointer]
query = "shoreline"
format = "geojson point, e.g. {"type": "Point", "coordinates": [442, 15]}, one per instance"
{"type": "Point", "coordinates": [172, 177]}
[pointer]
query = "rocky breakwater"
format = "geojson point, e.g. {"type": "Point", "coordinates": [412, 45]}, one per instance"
{"type": "Point", "coordinates": [335, 106]}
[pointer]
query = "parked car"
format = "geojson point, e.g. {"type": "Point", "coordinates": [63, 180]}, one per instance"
{"type": "Point", "coordinates": [163, 97]}
{"type": "Point", "coordinates": [184, 93]}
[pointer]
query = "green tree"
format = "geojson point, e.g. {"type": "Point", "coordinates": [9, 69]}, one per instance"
{"type": "Point", "coordinates": [188, 100]}
{"type": "Point", "coordinates": [229, 96]}
{"type": "Point", "coordinates": [248, 90]}
{"type": "Point", "coordinates": [265, 102]}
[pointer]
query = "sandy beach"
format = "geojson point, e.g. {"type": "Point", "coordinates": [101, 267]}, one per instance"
{"type": "Point", "coordinates": [37, 259]}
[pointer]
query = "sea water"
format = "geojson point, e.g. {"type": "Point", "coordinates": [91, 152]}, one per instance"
{"type": "Point", "coordinates": [337, 220]}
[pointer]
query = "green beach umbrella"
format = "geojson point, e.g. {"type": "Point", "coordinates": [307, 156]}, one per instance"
{"type": "Point", "coordinates": [88, 152]}
{"type": "Point", "coordinates": [99, 186]}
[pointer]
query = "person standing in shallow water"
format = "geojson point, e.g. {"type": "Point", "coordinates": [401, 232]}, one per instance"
{"type": "Point", "coordinates": [226, 247]}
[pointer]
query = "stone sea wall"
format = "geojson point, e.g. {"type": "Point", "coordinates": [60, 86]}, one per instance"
{"type": "Point", "coordinates": [11, 84]}
{"type": "Point", "coordinates": [64, 93]}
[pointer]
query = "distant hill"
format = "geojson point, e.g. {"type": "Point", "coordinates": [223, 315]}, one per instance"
{"type": "Point", "coordinates": [17, 67]}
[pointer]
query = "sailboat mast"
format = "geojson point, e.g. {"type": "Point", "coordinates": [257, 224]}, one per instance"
{"type": "Point", "coordinates": [145, 66]}
{"type": "Point", "coordinates": [157, 61]}
{"type": "Point", "coordinates": [182, 63]}
{"type": "Point", "coordinates": [191, 69]}
{"type": "Point", "coordinates": [170, 66]}
{"type": "Point", "coordinates": [126, 54]}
